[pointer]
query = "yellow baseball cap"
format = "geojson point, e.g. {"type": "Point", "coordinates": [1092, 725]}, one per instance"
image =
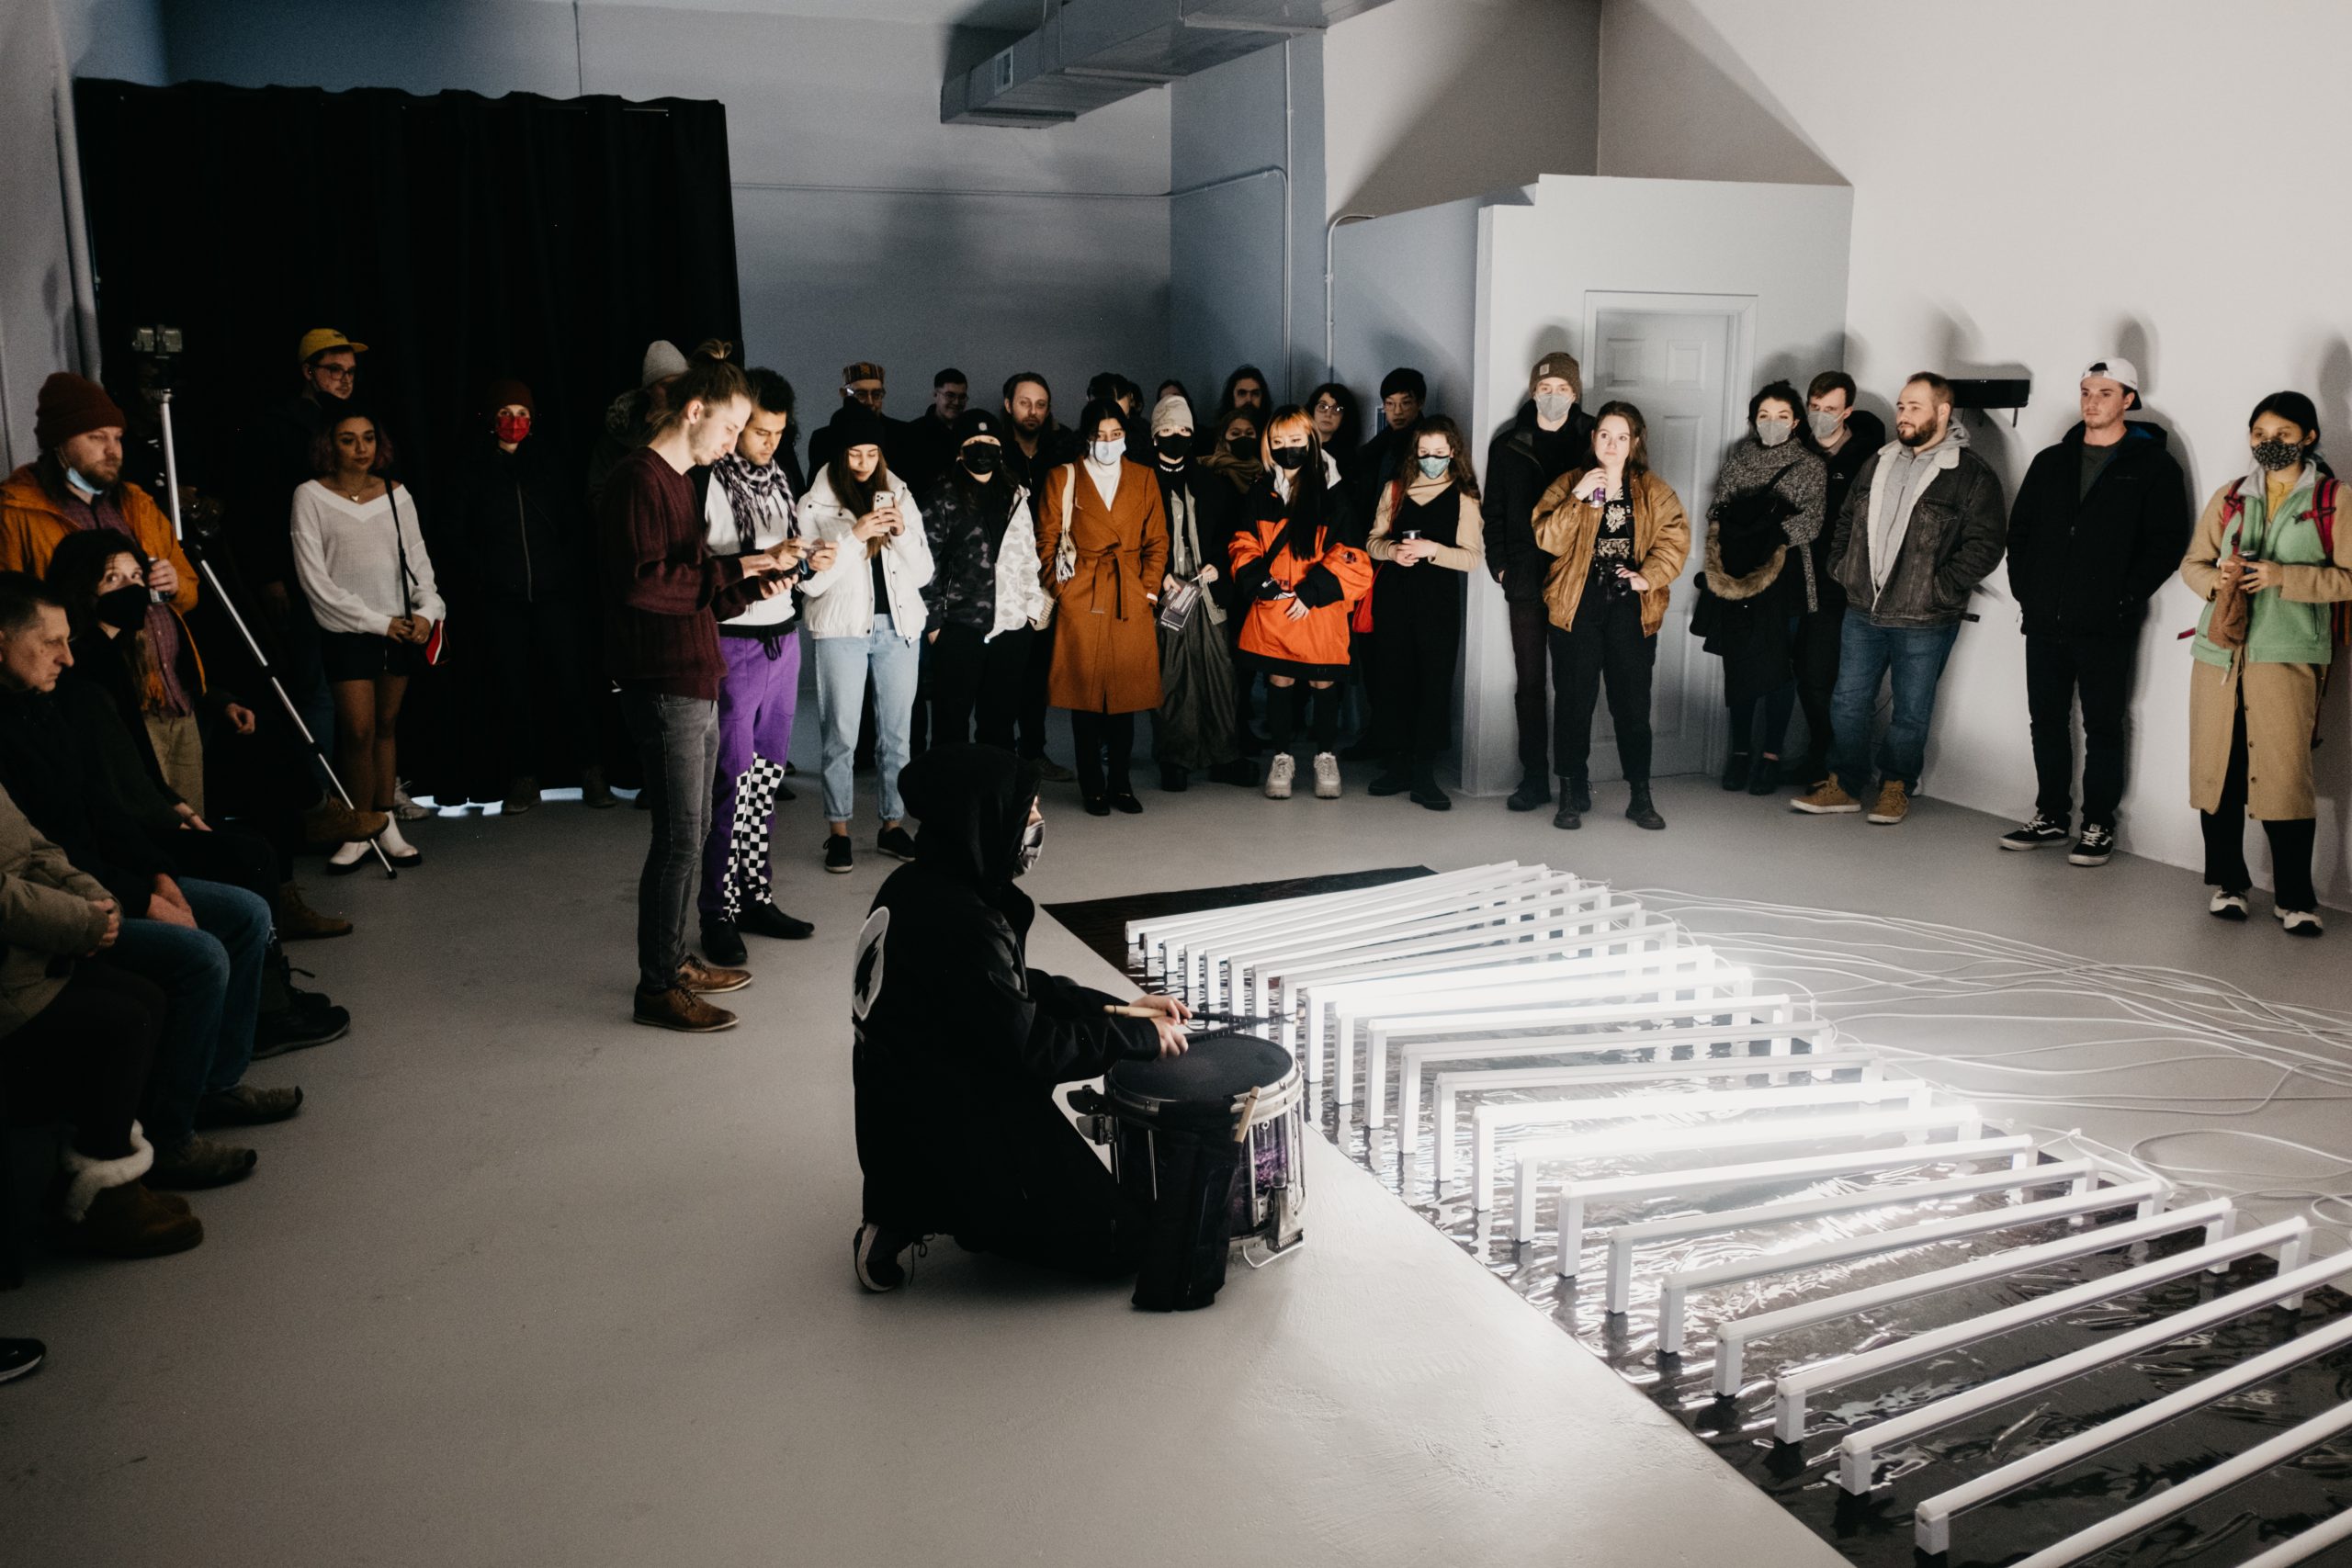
{"type": "Point", "coordinates": [319, 340]}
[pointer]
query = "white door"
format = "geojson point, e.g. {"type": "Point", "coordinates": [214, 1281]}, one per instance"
{"type": "Point", "coordinates": [1674, 366]}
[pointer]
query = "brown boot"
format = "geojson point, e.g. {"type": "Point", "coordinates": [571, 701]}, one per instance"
{"type": "Point", "coordinates": [333, 822]}
{"type": "Point", "coordinates": [679, 1009]}
{"type": "Point", "coordinates": [131, 1221]}
{"type": "Point", "coordinates": [297, 921]}
{"type": "Point", "coordinates": [1894, 804]}
{"type": "Point", "coordinates": [593, 791]}
{"type": "Point", "coordinates": [710, 978]}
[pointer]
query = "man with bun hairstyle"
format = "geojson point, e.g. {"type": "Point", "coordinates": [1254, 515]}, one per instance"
{"type": "Point", "coordinates": [1551, 435]}
{"type": "Point", "coordinates": [2100, 523]}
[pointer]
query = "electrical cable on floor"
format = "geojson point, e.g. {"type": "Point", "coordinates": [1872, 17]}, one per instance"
{"type": "Point", "coordinates": [2302, 1045]}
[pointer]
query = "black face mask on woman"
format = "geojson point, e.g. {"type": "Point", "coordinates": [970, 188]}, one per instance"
{"type": "Point", "coordinates": [982, 459]}
{"type": "Point", "coordinates": [2276, 455]}
{"type": "Point", "coordinates": [1172, 446]}
{"type": "Point", "coordinates": [125, 609]}
{"type": "Point", "coordinates": [1292, 458]}
{"type": "Point", "coordinates": [1242, 446]}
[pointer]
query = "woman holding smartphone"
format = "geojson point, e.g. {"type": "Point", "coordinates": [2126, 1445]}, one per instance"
{"type": "Point", "coordinates": [1619, 536]}
{"type": "Point", "coordinates": [866, 619]}
{"type": "Point", "coordinates": [1427, 531]}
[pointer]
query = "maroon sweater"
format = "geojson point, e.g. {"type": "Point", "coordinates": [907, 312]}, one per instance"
{"type": "Point", "coordinates": [661, 582]}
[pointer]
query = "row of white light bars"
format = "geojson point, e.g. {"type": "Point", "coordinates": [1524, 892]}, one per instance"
{"type": "Point", "coordinates": [1524, 965]}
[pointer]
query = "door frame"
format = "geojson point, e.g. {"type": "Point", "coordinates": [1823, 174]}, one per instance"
{"type": "Point", "coordinates": [1739, 371]}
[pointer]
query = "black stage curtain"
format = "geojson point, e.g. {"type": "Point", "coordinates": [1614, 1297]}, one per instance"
{"type": "Point", "coordinates": [461, 238]}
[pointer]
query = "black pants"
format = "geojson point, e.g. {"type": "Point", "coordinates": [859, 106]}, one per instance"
{"type": "Point", "coordinates": [970, 677]}
{"type": "Point", "coordinates": [1819, 633]}
{"type": "Point", "coordinates": [1530, 642]}
{"type": "Point", "coordinates": [2098, 669]}
{"type": "Point", "coordinates": [84, 1056]}
{"type": "Point", "coordinates": [542, 685]}
{"type": "Point", "coordinates": [1282, 707]}
{"type": "Point", "coordinates": [1606, 646]}
{"type": "Point", "coordinates": [1103, 739]}
{"type": "Point", "coordinates": [1002, 1175]}
{"type": "Point", "coordinates": [2290, 840]}
{"type": "Point", "coordinates": [1033, 682]}
{"type": "Point", "coordinates": [1413, 692]}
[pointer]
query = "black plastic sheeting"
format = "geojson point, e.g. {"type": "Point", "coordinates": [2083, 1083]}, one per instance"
{"type": "Point", "coordinates": [1875, 1530]}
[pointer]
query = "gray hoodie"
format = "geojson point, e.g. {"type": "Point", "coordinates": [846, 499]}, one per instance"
{"type": "Point", "coordinates": [1918, 532]}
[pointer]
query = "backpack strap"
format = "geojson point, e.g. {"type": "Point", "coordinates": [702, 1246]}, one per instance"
{"type": "Point", "coordinates": [2339, 614]}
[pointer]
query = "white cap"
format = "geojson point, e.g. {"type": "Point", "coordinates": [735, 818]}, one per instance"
{"type": "Point", "coordinates": [2121, 371]}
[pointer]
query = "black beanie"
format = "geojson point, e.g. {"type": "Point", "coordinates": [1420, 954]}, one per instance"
{"type": "Point", "coordinates": [854, 425]}
{"type": "Point", "coordinates": [974, 423]}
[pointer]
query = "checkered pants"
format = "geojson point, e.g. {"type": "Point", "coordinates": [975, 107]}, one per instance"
{"type": "Point", "coordinates": [756, 708]}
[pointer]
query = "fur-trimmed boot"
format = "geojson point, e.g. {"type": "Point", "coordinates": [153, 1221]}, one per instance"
{"type": "Point", "coordinates": [104, 1209]}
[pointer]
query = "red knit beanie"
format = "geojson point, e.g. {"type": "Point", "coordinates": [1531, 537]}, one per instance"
{"type": "Point", "coordinates": [71, 405]}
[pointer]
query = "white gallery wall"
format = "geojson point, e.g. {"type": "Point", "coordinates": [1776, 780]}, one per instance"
{"type": "Point", "coordinates": [2035, 186]}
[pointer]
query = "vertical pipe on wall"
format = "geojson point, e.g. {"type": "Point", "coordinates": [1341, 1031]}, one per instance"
{"type": "Point", "coordinates": [1331, 233]}
{"type": "Point", "coordinates": [77, 232]}
{"type": "Point", "coordinates": [1289, 364]}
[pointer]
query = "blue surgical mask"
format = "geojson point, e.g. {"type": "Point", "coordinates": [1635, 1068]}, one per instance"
{"type": "Point", "coordinates": [74, 477]}
{"type": "Point", "coordinates": [1434, 467]}
{"type": "Point", "coordinates": [1108, 452]}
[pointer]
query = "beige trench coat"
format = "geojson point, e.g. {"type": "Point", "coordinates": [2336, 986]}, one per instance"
{"type": "Point", "coordinates": [2281, 700]}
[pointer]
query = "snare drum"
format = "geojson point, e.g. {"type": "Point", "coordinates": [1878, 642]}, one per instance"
{"type": "Point", "coordinates": [1203, 1091]}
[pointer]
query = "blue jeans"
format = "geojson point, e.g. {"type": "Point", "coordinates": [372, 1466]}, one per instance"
{"type": "Point", "coordinates": [1867, 654]}
{"type": "Point", "coordinates": [211, 981]}
{"type": "Point", "coordinates": [677, 743]}
{"type": "Point", "coordinates": [843, 664]}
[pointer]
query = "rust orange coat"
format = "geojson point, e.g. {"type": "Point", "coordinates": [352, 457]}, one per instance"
{"type": "Point", "coordinates": [1106, 641]}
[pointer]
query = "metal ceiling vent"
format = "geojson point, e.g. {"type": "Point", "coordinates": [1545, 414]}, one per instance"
{"type": "Point", "coordinates": [1093, 52]}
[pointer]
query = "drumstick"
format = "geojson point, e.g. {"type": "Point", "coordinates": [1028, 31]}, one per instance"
{"type": "Point", "coordinates": [1249, 1108]}
{"type": "Point", "coordinates": [1119, 1011]}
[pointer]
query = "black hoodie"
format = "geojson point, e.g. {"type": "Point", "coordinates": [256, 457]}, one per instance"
{"type": "Point", "coordinates": [945, 999]}
{"type": "Point", "coordinates": [2086, 565]}
{"type": "Point", "coordinates": [1521, 466]}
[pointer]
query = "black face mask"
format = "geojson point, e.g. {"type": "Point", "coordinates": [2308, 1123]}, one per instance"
{"type": "Point", "coordinates": [982, 459]}
{"type": "Point", "coordinates": [125, 609]}
{"type": "Point", "coordinates": [2276, 455]}
{"type": "Point", "coordinates": [1291, 458]}
{"type": "Point", "coordinates": [1172, 446]}
{"type": "Point", "coordinates": [1242, 446]}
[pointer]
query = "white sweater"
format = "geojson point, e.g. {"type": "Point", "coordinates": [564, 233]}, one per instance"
{"type": "Point", "coordinates": [350, 563]}
{"type": "Point", "coordinates": [840, 602]}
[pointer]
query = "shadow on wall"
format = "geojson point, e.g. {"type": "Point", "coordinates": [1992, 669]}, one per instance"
{"type": "Point", "coordinates": [1499, 120]}
{"type": "Point", "coordinates": [1731, 126]}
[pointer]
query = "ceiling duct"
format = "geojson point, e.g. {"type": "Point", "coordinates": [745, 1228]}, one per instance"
{"type": "Point", "coordinates": [1093, 52]}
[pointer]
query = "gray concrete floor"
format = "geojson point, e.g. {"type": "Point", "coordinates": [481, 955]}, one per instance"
{"type": "Point", "coordinates": [525, 1284]}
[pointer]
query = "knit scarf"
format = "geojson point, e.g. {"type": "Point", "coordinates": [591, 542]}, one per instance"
{"type": "Point", "coordinates": [760, 497]}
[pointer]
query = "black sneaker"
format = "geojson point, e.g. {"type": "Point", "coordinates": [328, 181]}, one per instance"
{"type": "Point", "coordinates": [875, 1253]}
{"type": "Point", "coordinates": [298, 1028]}
{"type": "Point", "coordinates": [764, 918]}
{"type": "Point", "coordinates": [1531, 794]}
{"type": "Point", "coordinates": [1393, 781]}
{"type": "Point", "coordinates": [2039, 834]}
{"type": "Point", "coordinates": [2092, 848]}
{"type": "Point", "coordinates": [18, 1356]}
{"type": "Point", "coordinates": [721, 943]}
{"type": "Point", "coordinates": [837, 851]}
{"type": "Point", "coordinates": [896, 842]}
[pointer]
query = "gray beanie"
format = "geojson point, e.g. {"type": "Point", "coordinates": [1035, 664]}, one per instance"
{"type": "Point", "coordinates": [663, 361]}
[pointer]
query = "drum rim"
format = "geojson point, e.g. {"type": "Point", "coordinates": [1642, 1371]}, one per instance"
{"type": "Point", "coordinates": [1273, 1100]}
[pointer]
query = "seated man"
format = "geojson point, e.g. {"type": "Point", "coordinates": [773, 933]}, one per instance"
{"type": "Point", "coordinates": [960, 1044]}
{"type": "Point", "coordinates": [80, 1034]}
{"type": "Point", "coordinates": [201, 941]}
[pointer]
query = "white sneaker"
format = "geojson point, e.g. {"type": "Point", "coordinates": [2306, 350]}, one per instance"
{"type": "Point", "coordinates": [1327, 776]}
{"type": "Point", "coordinates": [2300, 922]}
{"type": "Point", "coordinates": [1279, 774]}
{"type": "Point", "coordinates": [2227, 906]}
{"type": "Point", "coordinates": [405, 810]}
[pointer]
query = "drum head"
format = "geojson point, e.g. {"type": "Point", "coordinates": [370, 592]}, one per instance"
{"type": "Point", "coordinates": [1215, 1072]}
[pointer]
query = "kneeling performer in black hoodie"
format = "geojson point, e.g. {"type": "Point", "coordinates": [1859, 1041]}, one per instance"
{"type": "Point", "coordinates": [960, 1044]}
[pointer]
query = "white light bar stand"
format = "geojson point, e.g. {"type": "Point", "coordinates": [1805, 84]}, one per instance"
{"type": "Point", "coordinates": [2216, 1216]}
{"type": "Point", "coordinates": [1931, 1524]}
{"type": "Point", "coordinates": [1677, 1288]}
{"type": "Point", "coordinates": [1858, 1452]}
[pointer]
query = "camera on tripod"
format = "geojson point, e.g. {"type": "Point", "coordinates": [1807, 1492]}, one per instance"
{"type": "Point", "coordinates": [158, 349]}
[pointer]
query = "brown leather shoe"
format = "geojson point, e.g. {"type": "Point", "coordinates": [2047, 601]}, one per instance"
{"type": "Point", "coordinates": [131, 1221]}
{"type": "Point", "coordinates": [710, 978]}
{"type": "Point", "coordinates": [335, 823]}
{"type": "Point", "coordinates": [679, 1009]}
{"type": "Point", "coordinates": [1894, 804]}
{"type": "Point", "coordinates": [1826, 799]}
{"type": "Point", "coordinates": [593, 791]}
{"type": "Point", "coordinates": [297, 921]}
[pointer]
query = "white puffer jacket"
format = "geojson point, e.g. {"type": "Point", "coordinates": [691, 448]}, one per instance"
{"type": "Point", "coordinates": [840, 602]}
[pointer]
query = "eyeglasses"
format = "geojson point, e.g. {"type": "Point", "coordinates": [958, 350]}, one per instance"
{"type": "Point", "coordinates": [335, 372]}
{"type": "Point", "coordinates": [1328, 406]}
